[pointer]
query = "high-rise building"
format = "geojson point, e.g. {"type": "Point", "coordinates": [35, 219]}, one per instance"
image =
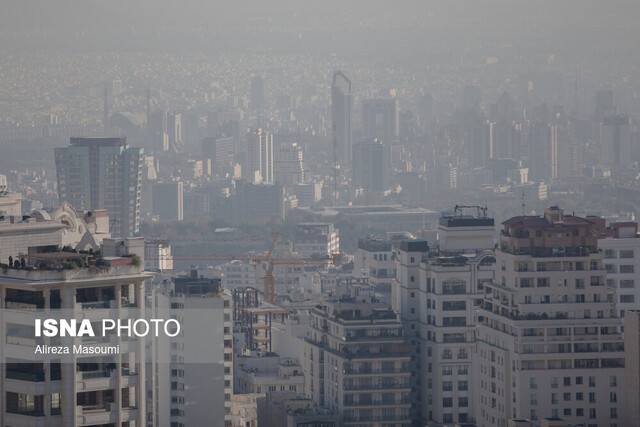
{"type": "Point", "coordinates": [616, 140]}
{"type": "Point", "coordinates": [288, 166]}
{"type": "Point", "coordinates": [168, 200]}
{"type": "Point", "coordinates": [341, 107]}
{"type": "Point", "coordinates": [631, 397]}
{"type": "Point", "coordinates": [257, 202]}
{"type": "Point", "coordinates": [380, 119]}
{"type": "Point", "coordinates": [543, 151]}
{"type": "Point", "coordinates": [102, 173]}
{"type": "Point", "coordinates": [259, 162]}
{"type": "Point", "coordinates": [220, 150]}
{"type": "Point", "coordinates": [174, 130]}
{"type": "Point", "coordinates": [621, 248]}
{"type": "Point", "coordinates": [549, 337]}
{"type": "Point", "coordinates": [74, 389]}
{"type": "Point", "coordinates": [374, 259]}
{"type": "Point", "coordinates": [357, 361]}
{"type": "Point", "coordinates": [437, 292]}
{"type": "Point", "coordinates": [604, 104]}
{"type": "Point", "coordinates": [371, 165]}
{"type": "Point", "coordinates": [157, 131]}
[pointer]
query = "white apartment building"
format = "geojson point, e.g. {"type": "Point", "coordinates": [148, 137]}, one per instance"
{"type": "Point", "coordinates": [374, 259]}
{"type": "Point", "coordinates": [621, 250]}
{"type": "Point", "coordinates": [437, 293]}
{"type": "Point", "coordinates": [73, 389]}
{"type": "Point", "coordinates": [549, 344]}
{"type": "Point", "coordinates": [268, 374]}
{"type": "Point", "coordinates": [317, 239]}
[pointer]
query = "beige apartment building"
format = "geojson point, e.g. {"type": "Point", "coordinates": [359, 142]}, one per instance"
{"type": "Point", "coordinates": [550, 343]}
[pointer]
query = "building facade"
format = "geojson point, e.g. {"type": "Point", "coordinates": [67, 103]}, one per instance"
{"type": "Point", "coordinates": [549, 343]}
{"type": "Point", "coordinates": [102, 173]}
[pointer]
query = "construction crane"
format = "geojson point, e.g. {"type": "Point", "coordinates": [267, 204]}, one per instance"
{"type": "Point", "coordinates": [268, 279]}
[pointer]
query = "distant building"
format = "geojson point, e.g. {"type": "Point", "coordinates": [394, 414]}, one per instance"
{"type": "Point", "coordinates": [308, 194]}
{"type": "Point", "coordinates": [318, 239]}
{"type": "Point", "coordinates": [257, 202]}
{"type": "Point", "coordinates": [259, 163]}
{"type": "Point", "coordinates": [616, 140]}
{"type": "Point", "coordinates": [157, 255]}
{"type": "Point", "coordinates": [543, 152]}
{"type": "Point", "coordinates": [267, 374]}
{"type": "Point", "coordinates": [341, 116]}
{"type": "Point", "coordinates": [221, 151]}
{"type": "Point", "coordinates": [10, 203]}
{"type": "Point", "coordinates": [288, 167]}
{"type": "Point", "coordinates": [371, 165]}
{"type": "Point", "coordinates": [380, 119]}
{"type": "Point", "coordinates": [102, 173]}
{"type": "Point", "coordinates": [286, 409]}
{"type": "Point", "coordinates": [374, 259]}
{"type": "Point", "coordinates": [168, 199]}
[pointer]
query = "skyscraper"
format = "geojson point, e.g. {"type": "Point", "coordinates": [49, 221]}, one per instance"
{"type": "Point", "coordinates": [371, 165]}
{"type": "Point", "coordinates": [380, 119]}
{"type": "Point", "coordinates": [102, 173]}
{"type": "Point", "coordinates": [616, 140]}
{"type": "Point", "coordinates": [341, 106]}
{"type": "Point", "coordinates": [259, 163]}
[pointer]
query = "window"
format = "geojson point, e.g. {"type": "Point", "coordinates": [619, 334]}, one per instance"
{"type": "Point", "coordinates": [613, 413]}
{"type": "Point", "coordinates": [566, 397]}
{"type": "Point", "coordinates": [566, 381]}
{"type": "Point", "coordinates": [462, 354]}
{"type": "Point", "coordinates": [628, 253]}
{"type": "Point", "coordinates": [613, 381]}
{"type": "Point", "coordinates": [592, 381]}
{"type": "Point", "coordinates": [447, 402]}
{"type": "Point", "coordinates": [463, 385]}
{"type": "Point", "coordinates": [532, 383]}
{"type": "Point", "coordinates": [579, 412]}
{"type": "Point", "coordinates": [446, 354]}
{"type": "Point", "coordinates": [554, 382]}
{"type": "Point", "coordinates": [463, 402]}
{"type": "Point", "coordinates": [447, 386]}
{"type": "Point", "coordinates": [447, 418]}
{"type": "Point", "coordinates": [567, 412]}
{"type": "Point", "coordinates": [578, 380]}
{"type": "Point", "coordinates": [579, 396]}
{"type": "Point", "coordinates": [533, 398]}
{"type": "Point", "coordinates": [627, 284]}
{"type": "Point", "coordinates": [613, 397]}
{"type": "Point", "coordinates": [627, 298]}
{"type": "Point", "coordinates": [592, 413]}
{"type": "Point", "coordinates": [592, 397]}
{"type": "Point", "coordinates": [454, 305]}
{"type": "Point", "coordinates": [554, 398]}
{"type": "Point", "coordinates": [626, 268]}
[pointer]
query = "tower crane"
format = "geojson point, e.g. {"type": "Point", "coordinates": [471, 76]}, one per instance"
{"type": "Point", "coordinates": [268, 279]}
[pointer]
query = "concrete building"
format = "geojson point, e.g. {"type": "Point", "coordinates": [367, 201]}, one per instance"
{"type": "Point", "coordinates": [157, 255]}
{"type": "Point", "coordinates": [168, 200]}
{"type": "Point", "coordinates": [102, 173]}
{"type": "Point", "coordinates": [289, 410]}
{"type": "Point", "coordinates": [630, 398]}
{"type": "Point", "coordinates": [374, 259]}
{"type": "Point", "coordinates": [10, 203]}
{"type": "Point", "coordinates": [259, 162]}
{"type": "Point", "coordinates": [341, 116]}
{"type": "Point", "coordinates": [380, 119]}
{"type": "Point", "coordinates": [621, 248]}
{"type": "Point", "coordinates": [288, 167]}
{"type": "Point", "coordinates": [357, 361]}
{"type": "Point", "coordinates": [438, 290]}
{"type": "Point", "coordinates": [317, 239]}
{"type": "Point", "coordinates": [371, 165]}
{"type": "Point", "coordinates": [105, 388]}
{"type": "Point", "coordinates": [257, 202]}
{"type": "Point", "coordinates": [221, 151]}
{"type": "Point", "coordinates": [308, 194]}
{"type": "Point", "coordinates": [267, 374]}
{"type": "Point", "coordinates": [616, 140]}
{"type": "Point", "coordinates": [549, 344]}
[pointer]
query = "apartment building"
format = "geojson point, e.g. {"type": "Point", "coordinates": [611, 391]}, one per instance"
{"type": "Point", "coordinates": [549, 345]}
{"type": "Point", "coordinates": [71, 389]}
{"type": "Point", "coordinates": [357, 361]}
{"type": "Point", "coordinates": [319, 239]}
{"type": "Point", "coordinates": [438, 291]}
{"type": "Point", "coordinates": [620, 245]}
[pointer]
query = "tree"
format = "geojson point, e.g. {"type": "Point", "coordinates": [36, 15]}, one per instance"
{"type": "Point", "coordinates": [10, 261]}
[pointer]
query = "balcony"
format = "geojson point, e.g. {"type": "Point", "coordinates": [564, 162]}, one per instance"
{"type": "Point", "coordinates": [13, 374]}
{"type": "Point", "coordinates": [378, 403]}
{"type": "Point", "coordinates": [394, 386]}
